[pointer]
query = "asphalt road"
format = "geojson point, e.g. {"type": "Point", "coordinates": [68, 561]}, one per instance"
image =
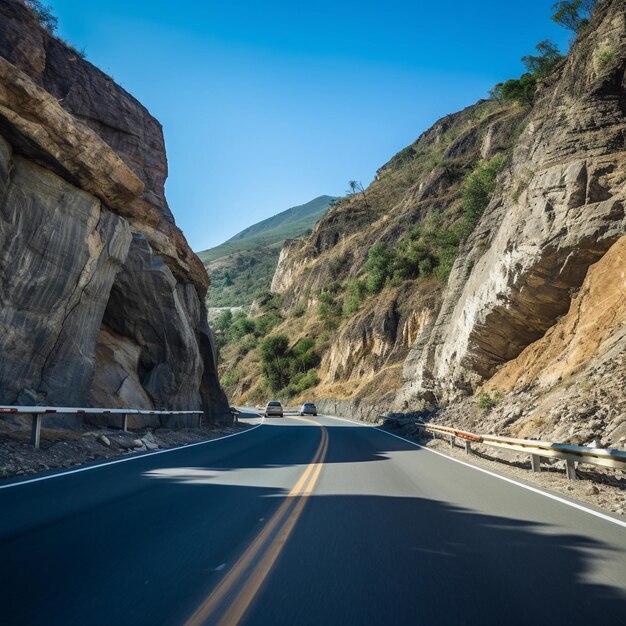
{"type": "Point", "coordinates": [299, 523]}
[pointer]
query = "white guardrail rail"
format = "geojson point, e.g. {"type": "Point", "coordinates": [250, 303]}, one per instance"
{"type": "Point", "coordinates": [537, 450]}
{"type": "Point", "coordinates": [37, 413]}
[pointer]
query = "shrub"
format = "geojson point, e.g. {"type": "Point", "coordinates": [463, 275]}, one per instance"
{"type": "Point", "coordinates": [356, 293]}
{"type": "Point", "coordinates": [606, 56]}
{"type": "Point", "coordinates": [478, 188]}
{"type": "Point", "coordinates": [247, 343]}
{"type": "Point", "coordinates": [378, 266]}
{"type": "Point", "coordinates": [328, 310]}
{"type": "Point", "coordinates": [485, 401]}
{"type": "Point", "coordinates": [285, 369]}
{"type": "Point", "coordinates": [265, 323]}
{"type": "Point", "coordinates": [425, 267]}
{"type": "Point", "coordinates": [520, 90]}
{"type": "Point", "coordinates": [299, 309]}
{"type": "Point", "coordinates": [231, 377]}
{"type": "Point", "coordinates": [224, 320]}
{"type": "Point", "coordinates": [241, 325]}
{"type": "Point", "coordinates": [274, 346]}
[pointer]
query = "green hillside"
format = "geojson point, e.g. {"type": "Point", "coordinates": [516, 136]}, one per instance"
{"type": "Point", "coordinates": [290, 223]}
{"type": "Point", "coordinates": [244, 265]}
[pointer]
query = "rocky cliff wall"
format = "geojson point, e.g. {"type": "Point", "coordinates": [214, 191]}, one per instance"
{"type": "Point", "coordinates": [558, 208]}
{"type": "Point", "coordinates": [102, 300]}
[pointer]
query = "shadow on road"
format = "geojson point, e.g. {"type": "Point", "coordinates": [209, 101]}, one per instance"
{"type": "Point", "coordinates": [401, 560]}
{"type": "Point", "coordinates": [141, 550]}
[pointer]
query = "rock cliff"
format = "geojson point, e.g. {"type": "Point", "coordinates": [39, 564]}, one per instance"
{"type": "Point", "coordinates": [102, 300]}
{"type": "Point", "coordinates": [494, 317]}
{"type": "Point", "coordinates": [558, 208]}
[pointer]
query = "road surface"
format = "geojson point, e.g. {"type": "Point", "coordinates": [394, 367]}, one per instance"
{"type": "Point", "coordinates": [302, 522]}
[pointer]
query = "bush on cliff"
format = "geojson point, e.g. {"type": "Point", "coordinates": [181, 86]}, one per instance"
{"type": "Point", "coordinates": [356, 292]}
{"type": "Point", "coordinates": [477, 189]}
{"type": "Point", "coordinates": [286, 370]}
{"type": "Point", "coordinates": [522, 90]}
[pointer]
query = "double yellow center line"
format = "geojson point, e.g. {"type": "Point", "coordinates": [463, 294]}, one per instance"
{"type": "Point", "coordinates": [230, 600]}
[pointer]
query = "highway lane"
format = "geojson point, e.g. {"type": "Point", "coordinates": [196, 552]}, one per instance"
{"type": "Point", "coordinates": [300, 523]}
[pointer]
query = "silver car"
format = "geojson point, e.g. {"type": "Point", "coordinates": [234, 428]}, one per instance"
{"type": "Point", "coordinates": [308, 408]}
{"type": "Point", "coordinates": [275, 408]}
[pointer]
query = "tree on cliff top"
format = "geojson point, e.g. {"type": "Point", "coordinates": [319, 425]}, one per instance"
{"type": "Point", "coordinates": [540, 65]}
{"type": "Point", "coordinates": [574, 14]}
{"type": "Point", "coordinates": [44, 14]}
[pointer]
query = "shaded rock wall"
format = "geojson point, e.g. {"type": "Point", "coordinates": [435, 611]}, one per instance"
{"type": "Point", "coordinates": [102, 301]}
{"type": "Point", "coordinates": [60, 251]}
{"type": "Point", "coordinates": [593, 329]}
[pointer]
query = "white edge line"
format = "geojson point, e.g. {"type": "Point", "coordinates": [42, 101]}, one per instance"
{"type": "Point", "coordinates": [574, 505]}
{"type": "Point", "coordinates": [126, 458]}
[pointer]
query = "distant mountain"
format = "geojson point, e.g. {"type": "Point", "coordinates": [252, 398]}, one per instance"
{"type": "Point", "coordinates": [245, 264]}
{"type": "Point", "coordinates": [293, 222]}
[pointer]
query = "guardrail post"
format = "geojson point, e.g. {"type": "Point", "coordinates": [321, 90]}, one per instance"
{"type": "Point", "coordinates": [200, 420]}
{"type": "Point", "coordinates": [420, 433]}
{"type": "Point", "coordinates": [570, 469]}
{"type": "Point", "coordinates": [452, 440]}
{"type": "Point", "coordinates": [468, 446]}
{"type": "Point", "coordinates": [125, 422]}
{"type": "Point", "coordinates": [535, 463]}
{"type": "Point", "coordinates": [36, 431]}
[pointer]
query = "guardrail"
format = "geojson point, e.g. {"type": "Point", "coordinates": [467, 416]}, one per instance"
{"type": "Point", "coordinates": [571, 454]}
{"type": "Point", "coordinates": [37, 413]}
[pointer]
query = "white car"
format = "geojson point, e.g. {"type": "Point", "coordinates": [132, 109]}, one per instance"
{"type": "Point", "coordinates": [275, 408]}
{"type": "Point", "coordinates": [308, 408]}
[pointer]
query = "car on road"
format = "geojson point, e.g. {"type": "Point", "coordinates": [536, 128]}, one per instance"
{"type": "Point", "coordinates": [275, 408]}
{"type": "Point", "coordinates": [308, 408]}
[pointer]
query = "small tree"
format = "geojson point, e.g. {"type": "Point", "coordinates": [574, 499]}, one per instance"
{"type": "Point", "coordinates": [44, 14]}
{"type": "Point", "coordinates": [574, 14]}
{"type": "Point", "coordinates": [496, 93]}
{"type": "Point", "coordinates": [541, 65]}
{"type": "Point", "coordinates": [357, 187]}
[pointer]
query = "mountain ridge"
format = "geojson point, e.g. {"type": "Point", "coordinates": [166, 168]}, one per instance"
{"type": "Point", "coordinates": [244, 265]}
{"type": "Point", "coordinates": [292, 222]}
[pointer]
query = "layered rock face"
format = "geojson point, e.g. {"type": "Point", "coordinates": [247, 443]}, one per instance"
{"type": "Point", "coordinates": [558, 209]}
{"type": "Point", "coordinates": [102, 300]}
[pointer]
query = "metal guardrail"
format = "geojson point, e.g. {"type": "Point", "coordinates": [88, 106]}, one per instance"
{"type": "Point", "coordinates": [571, 454]}
{"type": "Point", "coordinates": [37, 413]}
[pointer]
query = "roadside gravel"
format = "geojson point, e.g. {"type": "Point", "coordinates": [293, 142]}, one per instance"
{"type": "Point", "coordinates": [64, 448]}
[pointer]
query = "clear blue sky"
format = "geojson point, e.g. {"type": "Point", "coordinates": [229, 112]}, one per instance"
{"type": "Point", "coordinates": [266, 104]}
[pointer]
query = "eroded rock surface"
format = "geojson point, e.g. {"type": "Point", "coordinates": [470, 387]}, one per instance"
{"type": "Point", "coordinates": [558, 209]}
{"type": "Point", "coordinates": [101, 298]}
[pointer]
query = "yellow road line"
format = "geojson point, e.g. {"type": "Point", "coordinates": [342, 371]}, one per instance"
{"type": "Point", "coordinates": [257, 552]}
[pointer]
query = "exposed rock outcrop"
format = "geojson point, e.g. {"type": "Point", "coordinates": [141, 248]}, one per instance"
{"type": "Point", "coordinates": [593, 330]}
{"type": "Point", "coordinates": [558, 209]}
{"type": "Point", "coordinates": [101, 299]}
